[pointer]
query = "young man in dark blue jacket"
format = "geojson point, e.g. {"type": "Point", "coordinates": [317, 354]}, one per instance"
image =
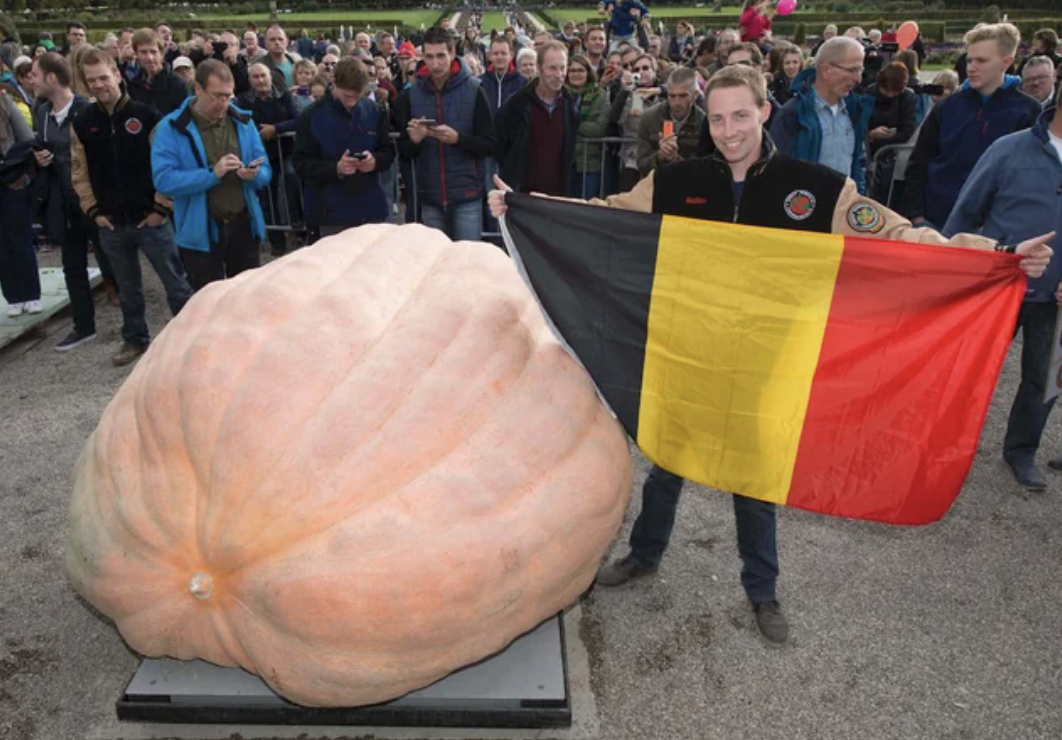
{"type": "Point", "coordinates": [341, 146]}
{"type": "Point", "coordinates": [156, 85]}
{"type": "Point", "coordinates": [445, 125]}
{"type": "Point", "coordinates": [1015, 192]}
{"type": "Point", "coordinates": [960, 128]}
{"type": "Point", "coordinates": [501, 81]}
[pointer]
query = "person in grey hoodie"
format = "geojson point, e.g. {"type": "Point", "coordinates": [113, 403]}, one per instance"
{"type": "Point", "coordinates": [1014, 192]}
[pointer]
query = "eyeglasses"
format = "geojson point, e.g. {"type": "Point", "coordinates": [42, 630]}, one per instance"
{"type": "Point", "coordinates": [643, 69]}
{"type": "Point", "coordinates": [854, 71]}
{"type": "Point", "coordinates": [328, 65]}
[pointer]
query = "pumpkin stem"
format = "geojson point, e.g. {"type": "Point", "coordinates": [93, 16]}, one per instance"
{"type": "Point", "coordinates": [201, 586]}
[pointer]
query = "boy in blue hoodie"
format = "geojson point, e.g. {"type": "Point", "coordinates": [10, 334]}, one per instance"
{"type": "Point", "coordinates": [1015, 192]}
{"type": "Point", "coordinates": [960, 129]}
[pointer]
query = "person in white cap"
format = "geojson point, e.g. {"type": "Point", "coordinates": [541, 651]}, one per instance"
{"type": "Point", "coordinates": [183, 68]}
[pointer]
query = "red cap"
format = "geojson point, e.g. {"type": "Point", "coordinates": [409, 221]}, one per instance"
{"type": "Point", "coordinates": [406, 50]}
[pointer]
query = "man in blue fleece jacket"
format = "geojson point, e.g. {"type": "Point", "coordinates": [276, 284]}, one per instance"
{"type": "Point", "coordinates": [1015, 192]}
{"type": "Point", "coordinates": [960, 128]}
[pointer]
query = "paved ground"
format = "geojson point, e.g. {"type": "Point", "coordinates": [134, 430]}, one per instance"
{"type": "Point", "coordinates": [948, 632]}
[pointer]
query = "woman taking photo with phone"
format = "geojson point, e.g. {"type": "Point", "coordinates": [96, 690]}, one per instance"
{"type": "Point", "coordinates": [891, 122]}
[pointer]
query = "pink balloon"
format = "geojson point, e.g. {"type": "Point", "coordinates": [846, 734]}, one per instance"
{"type": "Point", "coordinates": [785, 7]}
{"type": "Point", "coordinates": [906, 35]}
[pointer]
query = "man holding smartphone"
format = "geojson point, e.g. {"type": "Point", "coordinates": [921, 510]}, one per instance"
{"type": "Point", "coordinates": [208, 156]}
{"type": "Point", "coordinates": [341, 146]}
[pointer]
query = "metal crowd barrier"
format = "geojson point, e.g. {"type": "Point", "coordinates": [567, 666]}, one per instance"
{"type": "Point", "coordinates": [901, 153]}
{"type": "Point", "coordinates": [280, 218]}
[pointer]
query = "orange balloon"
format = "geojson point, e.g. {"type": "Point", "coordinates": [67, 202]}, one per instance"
{"type": "Point", "coordinates": [906, 35]}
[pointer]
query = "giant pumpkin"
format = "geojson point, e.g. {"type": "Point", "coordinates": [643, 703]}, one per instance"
{"type": "Point", "coordinates": [351, 472]}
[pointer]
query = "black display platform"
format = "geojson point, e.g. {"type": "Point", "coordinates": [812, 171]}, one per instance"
{"type": "Point", "coordinates": [524, 686]}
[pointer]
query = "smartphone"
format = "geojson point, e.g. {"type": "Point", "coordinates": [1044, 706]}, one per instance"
{"type": "Point", "coordinates": [255, 163]}
{"type": "Point", "coordinates": [360, 155]}
{"type": "Point", "coordinates": [429, 122]}
{"type": "Point", "coordinates": [302, 90]}
{"type": "Point", "coordinates": [669, 129]}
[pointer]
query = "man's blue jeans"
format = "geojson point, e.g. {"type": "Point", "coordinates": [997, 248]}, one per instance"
{"type": "Point", "coordinates": [463, 222]}
{"type": "Point", "coordinates": [1028, 415]}
{"type": "Point", "coordinates": [756, 533]}
{"type": "Point", "coordinates": [123, 247]}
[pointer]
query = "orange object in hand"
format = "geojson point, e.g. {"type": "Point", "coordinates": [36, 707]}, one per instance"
{"type": "Point", "coordinates": [669, 128]}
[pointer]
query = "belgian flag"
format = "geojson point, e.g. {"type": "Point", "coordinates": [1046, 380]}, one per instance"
{"type": "Point", "coordinates": [843, 375]}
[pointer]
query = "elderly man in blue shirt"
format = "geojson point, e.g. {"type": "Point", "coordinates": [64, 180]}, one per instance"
{"type": "Point", "coordinates": [826, 122]}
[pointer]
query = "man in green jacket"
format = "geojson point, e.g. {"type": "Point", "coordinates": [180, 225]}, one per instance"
{"type": "Point", "coordinates": [655, 145]}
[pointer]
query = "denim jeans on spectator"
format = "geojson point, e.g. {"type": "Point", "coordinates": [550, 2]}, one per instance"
{"type": "Point", "coordinates": [123, 247]}
{"type": "Point", "coordinates": [585, 185]}
{"type": "Point", "coordinates": [1028, 414]}
{"type": "Point", "coordinates": [756, 533]}
{"type": "Point", "coordinates": [463, 222]}
{"type": "Point", "coordinates": [75, 268]}
{"type": "Point", "coordinates": [19, 278]}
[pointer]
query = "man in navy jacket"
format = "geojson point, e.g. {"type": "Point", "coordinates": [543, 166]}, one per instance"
{"type": "Point", "coordinates": [1015, 192]}
{"type": "Point", "coordinates": [341, 144]}
{"type": "Point", "coordinates": [960, 129]}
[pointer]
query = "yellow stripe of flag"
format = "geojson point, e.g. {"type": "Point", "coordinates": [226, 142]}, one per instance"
{"type": "Point", "coordinates": [732, 348]}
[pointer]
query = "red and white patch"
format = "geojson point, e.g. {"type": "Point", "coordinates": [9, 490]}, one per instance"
{"type": "Point", "coordinates": [134, 126]}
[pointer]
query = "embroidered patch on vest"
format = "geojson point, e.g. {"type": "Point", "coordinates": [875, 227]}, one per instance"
{"type": "Point", "coordinates": [865, 218]}
{"type": "Point", "coordinates": [799, 205]}
{"type": "Point", "coordinates": [695, 201]}
{"type": "Point", "coordinates": [134, 126]}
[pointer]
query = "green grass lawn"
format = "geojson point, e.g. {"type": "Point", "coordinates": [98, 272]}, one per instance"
{"type": "Point", "coordinates": [493, 20]}
{"type": "Point", "coordinates": [356, 17]}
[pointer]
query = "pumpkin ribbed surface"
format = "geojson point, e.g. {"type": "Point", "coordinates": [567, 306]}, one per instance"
{"type": "Point", "coordinates": [351, 472]}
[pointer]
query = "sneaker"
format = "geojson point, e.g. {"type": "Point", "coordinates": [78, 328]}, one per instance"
{"type": "Point", "coordinates": [15, 309]}
{"type": "Point", "coordinates": [74, 339]}
{"type": "Point", "coordinates": [128, 353]}
{"type": "Point", "coordinates": [771, 622]}
{"type": "Point", "coordinates": [1028, 476]}
{"type": "Point", "coordinates": [622, 571]}
{"type": "Point", "coordinates": [34, 306]}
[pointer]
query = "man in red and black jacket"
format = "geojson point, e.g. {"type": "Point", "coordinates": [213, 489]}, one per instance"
{"type": "Point", "coordinates": [110, 150]}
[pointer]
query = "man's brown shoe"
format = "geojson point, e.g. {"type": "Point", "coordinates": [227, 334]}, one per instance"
{"type": "Point", "coordinates": [128, 353]}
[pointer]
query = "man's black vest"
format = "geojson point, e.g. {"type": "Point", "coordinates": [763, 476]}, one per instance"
{"type": "Point", "coordinates": [779, 192]}
{"type": "Point", "coordinates": [118, 155]}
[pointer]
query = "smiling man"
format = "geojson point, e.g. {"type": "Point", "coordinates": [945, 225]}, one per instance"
{"type": "Point", "coordinates": [537, 127]}
{"type": "Point", "coordinates": [960, 129]}
{"type": "Point", "coordinates": [156, 85]}
{"type": "Point", "coordinates": [748, 181]}
{"type": "Point", "coordinates": [827, 122]}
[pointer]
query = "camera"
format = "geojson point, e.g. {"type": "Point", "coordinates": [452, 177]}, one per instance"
{"type": "Point", "coordinates": [635, 78]}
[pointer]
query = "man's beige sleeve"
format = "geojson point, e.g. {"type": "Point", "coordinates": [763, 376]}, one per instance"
{"type": "Point", "coordinates": [79, 175]}
{"type": "Point", "coordinates": [857, 215]}
{"type": "Point", "coordinates": [639, 199]}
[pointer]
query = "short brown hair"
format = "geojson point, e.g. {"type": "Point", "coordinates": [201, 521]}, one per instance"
{"type": "Point", "coordinates": [1048, 38]}
{"type": "Point", "coordinates": [212, 68]}
{"type": "Point", "coordinates": [548, 47]}
{"type": "Point", "coordinates": [146, 36]}
{"type": "Point", "coordinates": [893, 78]}
{"type": "Point", "coordinates": [54, 64]}
{"type": "Point", "coordinates": [754, 52]}
{"type": "Point", "coordinates": [95, 56]}
{"type": "Point", "coordinates": [739, 76]}
{"type": "Point", "coordinates": [351, 74]}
